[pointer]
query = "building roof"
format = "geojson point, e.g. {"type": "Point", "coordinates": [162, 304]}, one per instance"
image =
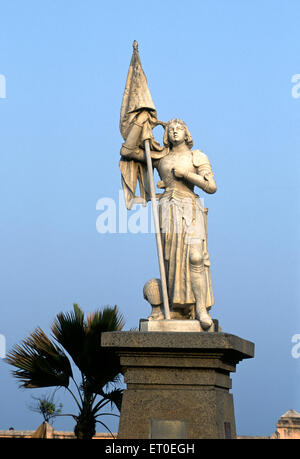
{"type": "Point", "coordinates": [291, 414]}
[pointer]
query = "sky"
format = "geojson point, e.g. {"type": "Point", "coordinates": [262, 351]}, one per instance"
{"type": "Point", "coordinates": [229, 69]}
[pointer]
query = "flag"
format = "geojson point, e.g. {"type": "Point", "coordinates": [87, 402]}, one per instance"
{"type": "Point", "coordinates": [137, 98]}
{"type": "Point", "coordinates": [136, 95]}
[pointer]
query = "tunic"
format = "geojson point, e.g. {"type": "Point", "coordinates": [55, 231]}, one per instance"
{"type": "Point", "coordinates": [183, 227]}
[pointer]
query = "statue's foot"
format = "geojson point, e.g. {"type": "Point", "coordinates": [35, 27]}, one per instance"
{"type": "Point", "coordinates": [205, 319]}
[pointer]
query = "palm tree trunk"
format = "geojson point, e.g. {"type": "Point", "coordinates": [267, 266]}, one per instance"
{"type": "Point", "coordinates": [85, 427]}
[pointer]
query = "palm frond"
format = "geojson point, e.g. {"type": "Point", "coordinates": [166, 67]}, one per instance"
{"type": "Point", "coordinates": [115, 397]}
{"type": "Point", "coordinates": [102, 364]}
{"type": "Point", "coordinates": [82, 340]}
{"type": "Point", "coordinates": [69, 329]}
{"type": "Point", "coordinates": [78, 312]}
{"type": "Point", "coordinates": [105, 320]}
{"type": "Point", "coordinates": [39, 362]}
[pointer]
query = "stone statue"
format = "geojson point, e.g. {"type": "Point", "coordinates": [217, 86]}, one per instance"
{"type": "Point", "coordinates": [182, 217]}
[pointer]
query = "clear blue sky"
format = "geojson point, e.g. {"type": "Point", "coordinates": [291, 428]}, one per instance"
{"type": "Point", "coordinates": [225, 67]}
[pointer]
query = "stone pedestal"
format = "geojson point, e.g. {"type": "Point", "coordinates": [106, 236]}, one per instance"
{"type": "Point", "coordinates": [174, 325]}
{"type": "Point", "coordinates": [178, 383]}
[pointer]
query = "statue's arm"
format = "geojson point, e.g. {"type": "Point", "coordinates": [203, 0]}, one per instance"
{"type": "Point", "coordinates": [130, 148]}
{"type": "Point", "coordinates": [206, 181]}
{"type": "Point", "coordinates": [141, 130]}
{"type": "Point", "coordinates": [203, 177]}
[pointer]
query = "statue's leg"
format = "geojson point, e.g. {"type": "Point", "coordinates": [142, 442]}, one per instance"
{"type": "Point", "coordinates": [199, 285]}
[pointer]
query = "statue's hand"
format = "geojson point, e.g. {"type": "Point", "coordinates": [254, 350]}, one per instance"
{"type": "Point", "coordinates": [143, 116]}
{"type": "Point", "coordinates": [180, 172]}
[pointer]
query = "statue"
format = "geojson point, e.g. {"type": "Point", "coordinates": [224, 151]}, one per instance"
{"type": "Point", "coordinates": [181, 215]}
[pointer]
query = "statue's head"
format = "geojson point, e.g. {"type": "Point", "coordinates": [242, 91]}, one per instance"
{"type": "Point", "coordinates": [176, 132]}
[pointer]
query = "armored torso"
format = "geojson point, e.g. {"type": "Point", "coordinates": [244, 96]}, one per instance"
{"type": "Point", "coordinates": [166, 165]}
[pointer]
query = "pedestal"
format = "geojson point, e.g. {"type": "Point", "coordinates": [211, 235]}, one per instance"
{"type": "Point", "coordinates": [174, 325]}
{"type": "Point", "coordinates": [178, 383]}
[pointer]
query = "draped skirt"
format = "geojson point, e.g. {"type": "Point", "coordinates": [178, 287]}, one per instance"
{"type": "Point", "coordinates": [183, 228]}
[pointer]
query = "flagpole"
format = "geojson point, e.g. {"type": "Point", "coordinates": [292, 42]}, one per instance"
{"type": "Point", "coordinates": [137, 98]}
{"type": "Point", "coordinates": [157, 232]}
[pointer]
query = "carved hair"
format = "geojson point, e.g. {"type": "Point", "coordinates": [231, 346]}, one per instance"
{"type": "Point", "coordinates": [188, 137]}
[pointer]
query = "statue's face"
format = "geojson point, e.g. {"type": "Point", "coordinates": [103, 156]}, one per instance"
{"type": "Point", "coordinates": [176, 133]}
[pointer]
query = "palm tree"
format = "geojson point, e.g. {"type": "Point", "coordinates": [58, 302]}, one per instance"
{"type": "Point", "coordinates": [44, 362]}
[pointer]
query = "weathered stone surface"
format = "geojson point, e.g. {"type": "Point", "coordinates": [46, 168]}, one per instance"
{"type": "Point", "coordinates": [174, 340]}
{"type": "Point", "coordinates": [180, 379]}
{"type": "Point", "coordinates": [175, 326]}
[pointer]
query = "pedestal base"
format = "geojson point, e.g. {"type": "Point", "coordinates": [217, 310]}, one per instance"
{"type": "Point", "coordinates": [174, 325]}
{"type": "Point", "coordinates": [177, 383]}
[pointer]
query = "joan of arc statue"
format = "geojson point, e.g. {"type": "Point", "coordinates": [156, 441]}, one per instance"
{"type": "Point", "coordinates": [182, 217]}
